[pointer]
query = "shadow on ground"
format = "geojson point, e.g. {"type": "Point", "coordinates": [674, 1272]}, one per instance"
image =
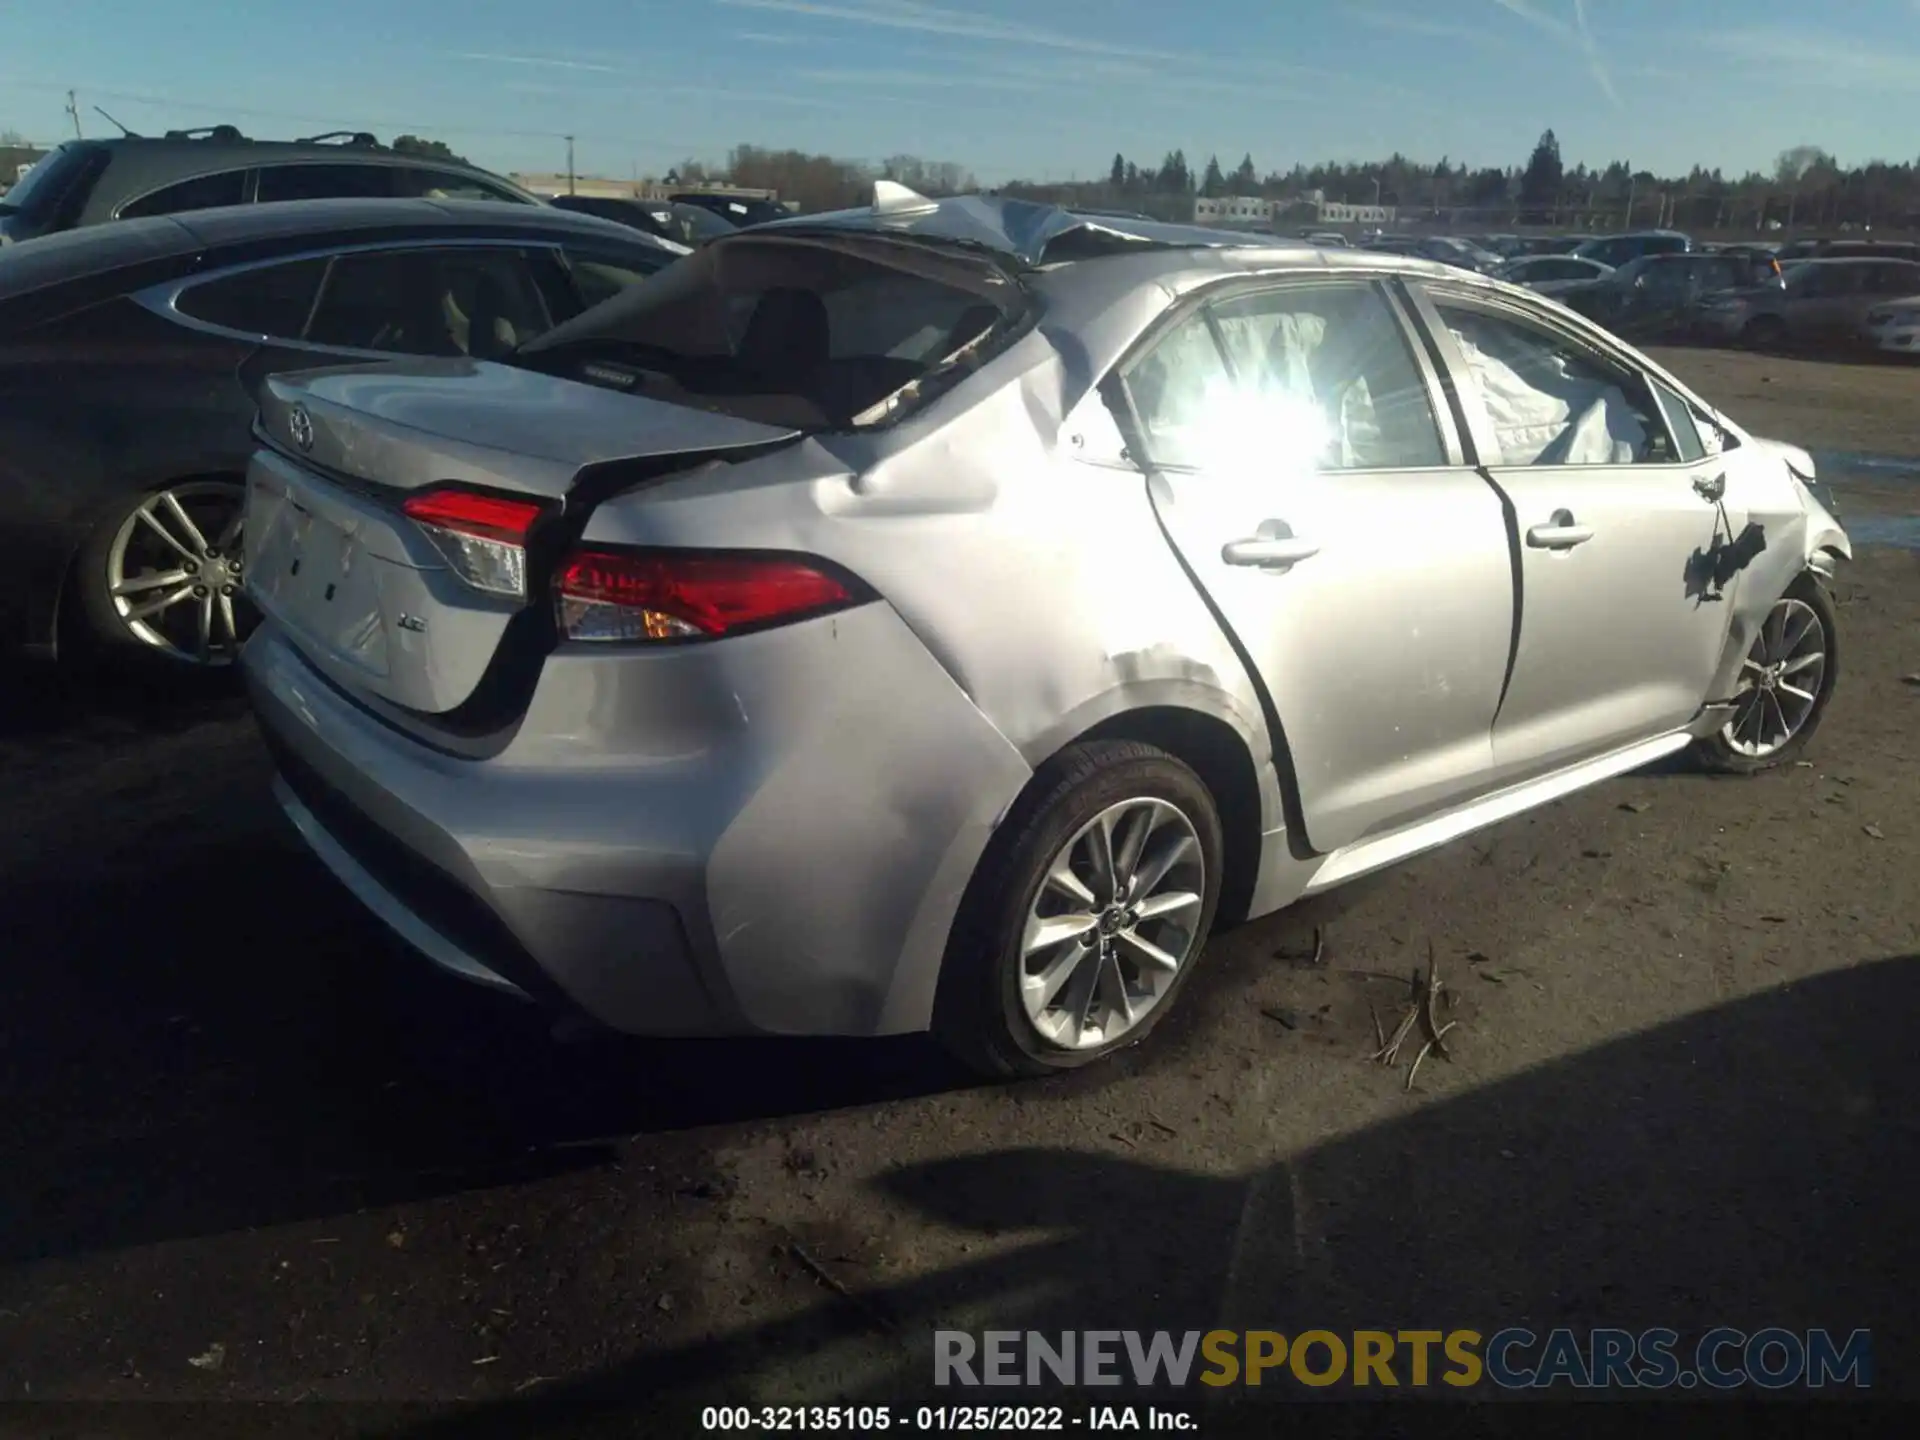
{"type": "Point", "coordinates": [197, 1045]}
{"type": "Point", "coordinates": [1750, 1166]}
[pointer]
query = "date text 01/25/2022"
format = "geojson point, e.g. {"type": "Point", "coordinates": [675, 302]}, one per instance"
{"type": "Point", "coordinates": [975, 1419]}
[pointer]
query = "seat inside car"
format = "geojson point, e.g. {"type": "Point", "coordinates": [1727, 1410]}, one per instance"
{"type": "Point", "coordinates": [787, 342]}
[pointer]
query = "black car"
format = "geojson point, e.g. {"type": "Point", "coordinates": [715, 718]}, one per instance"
{"type": "Point", "coordinates": [734, 208]}
{"type": "Point", "coordinates": [1658, 295]}
{"type": "Point", "coordinates": [86, 182]}
{"type": "Point", "coordinates": [688, 225]}
{"type": "Point", "coordinates": [129, 355]}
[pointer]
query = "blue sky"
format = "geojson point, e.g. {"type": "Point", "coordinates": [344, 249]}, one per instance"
{"type": "Point", "coordinates": [1039, 88]}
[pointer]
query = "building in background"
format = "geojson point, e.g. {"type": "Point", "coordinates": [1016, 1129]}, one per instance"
{"type": "Point", "coordinates": [646, 189]}
{"type": "Point", "coordinates": [1233, 210]}
{"type": "Point", "coordinates": [1310, 208]}
{"type": "Point", "coordinates": [15, 161]}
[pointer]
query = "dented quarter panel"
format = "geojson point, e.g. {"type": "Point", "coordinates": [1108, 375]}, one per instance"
{"type": "Point", "coordinates": [1025, 557]}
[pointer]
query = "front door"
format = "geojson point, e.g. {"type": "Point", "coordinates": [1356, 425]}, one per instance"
{"type": "Point", "coordinates": [1628, 559]}
{"type": "Point", "coordinates": [1301, 465]}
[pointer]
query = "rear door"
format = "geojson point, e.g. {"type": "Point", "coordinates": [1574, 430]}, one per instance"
{"type": "Point", "coordinates": [1622, 622]}
{"type": "Point", "coordinates": [1302, 461]}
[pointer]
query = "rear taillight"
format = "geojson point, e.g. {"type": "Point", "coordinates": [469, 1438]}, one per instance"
{"type": "Point", "coordinates": [484, 537]}
{"type": "Point", "coordinates": [685, 595]}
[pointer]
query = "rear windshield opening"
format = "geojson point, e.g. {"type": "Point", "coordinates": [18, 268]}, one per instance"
{"type": "Point", "coordinates": [815, 333]}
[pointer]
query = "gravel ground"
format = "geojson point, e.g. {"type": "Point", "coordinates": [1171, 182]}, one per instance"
{"type": "Point", "coordinates": [252, 1154]}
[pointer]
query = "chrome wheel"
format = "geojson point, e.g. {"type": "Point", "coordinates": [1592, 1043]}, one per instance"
{"type": "Point", "coordinates": [1117, 916]}
{"type": "Point", "coordinates": [173, 572]}
{"type": "Point", "coordinates": [1779, 680]}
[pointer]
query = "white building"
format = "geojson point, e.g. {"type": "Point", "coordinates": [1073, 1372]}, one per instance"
{"type": "Point", "coordinates": [1246, 210]}
{"type": "Point", "coordinates": [1232, 210]}
{"type": "Point", "coordinates": [1329, 212]}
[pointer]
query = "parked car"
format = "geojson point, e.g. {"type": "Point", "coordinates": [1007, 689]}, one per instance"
{"type": "Point", "coordinates": [1659, 296]}
{"type": "Point", "coordinates": [688, 225]}
{"type": "Point", "coordinates": [916, 665]}
{"type": "Point", "coordinates": [1328, 237]}
{"type": "Point", "coordinates": [1894, 327]}
{"type": "Point", "coordinates": [85, 182]}
{"type": "Point", "coordinates": [1551, 273]}
{"type": "Point", "coordinates": [1819, 302]}
{"type": "Point", "coordinates": [1850, 250]}
{"type": "Point", "coordinates": [1617, 250]}
{"type": "Point", "coordinates": [734, 209]}
{"type": "Point", "coordinates": [128, 358]}
{"type": "Point", "coordinates": [1442, 249]}
{"type": "Point", "coordinates": [1552, 244]}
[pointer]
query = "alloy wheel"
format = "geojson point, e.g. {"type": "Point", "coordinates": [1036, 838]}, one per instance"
{"type": "Point", "coordinates": [174, 573]}
{"type": "Point", "coordinates": [1117, 916]}
{"type": "Point", "coordinates": [1779, 680]}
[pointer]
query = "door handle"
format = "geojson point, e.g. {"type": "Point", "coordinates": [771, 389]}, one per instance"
{"type": "Point", "coordinates": [1711, 491]}
{"type": "Point", "coordinates": [1269, 552]}
{"type": "Point", "coordinates": [1560, 533]}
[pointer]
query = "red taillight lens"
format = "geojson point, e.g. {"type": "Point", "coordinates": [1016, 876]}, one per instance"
{"type": "Point", "coordinates": [664, 595]}
{"type": "Point", "coordinates": [483, 537]}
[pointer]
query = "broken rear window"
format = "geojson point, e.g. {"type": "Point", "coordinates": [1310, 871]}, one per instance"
{"type": "Point", "coordinates": [817, 332]}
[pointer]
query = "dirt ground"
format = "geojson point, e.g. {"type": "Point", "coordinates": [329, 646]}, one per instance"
{"type": "Point", "coordinates": [251, 1153]}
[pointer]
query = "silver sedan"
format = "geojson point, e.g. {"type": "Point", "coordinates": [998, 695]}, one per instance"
{"type": "Point", "coordinates": [944, 615]}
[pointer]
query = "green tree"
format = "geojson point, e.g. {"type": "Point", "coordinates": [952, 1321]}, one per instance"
{"type": "Point", "coordinates": [1117, 176]}
{"type": "Point", "coordinates": [1540, 182]}
{"type": "Point", "coordinates": [427, 149]}
{"type": "Point", "coordinates": [1246, 180]}
{"type": "Point", "coordinates": [1213, 182]}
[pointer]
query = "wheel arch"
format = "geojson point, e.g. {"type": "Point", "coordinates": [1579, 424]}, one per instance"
{"type": "Point", "coordinates": [1219, 755]}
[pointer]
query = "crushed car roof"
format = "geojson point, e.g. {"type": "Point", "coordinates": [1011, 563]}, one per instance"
{"type": "Point", "coordinates": [1025, 229]}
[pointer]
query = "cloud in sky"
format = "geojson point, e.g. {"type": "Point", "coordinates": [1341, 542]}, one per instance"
{"type": "Point", "coordinates": [1823, 60]}
{"type": "Point", "coordinates": [1573, 33]}
{"type": "Point", "coordinates": [546, 60]}
{"type": "Point", "coordinates": [937, 20]}
{"type": "Point", "coordinates": [1595, 62]}
{"type": "Point", "coordinates": [1424, 25]}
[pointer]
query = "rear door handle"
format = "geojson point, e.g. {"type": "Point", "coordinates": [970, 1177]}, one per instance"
{"type": "Point", "coordinates": [1271, 553]}
{"type": "Point", "coordinates": [1560, 533]}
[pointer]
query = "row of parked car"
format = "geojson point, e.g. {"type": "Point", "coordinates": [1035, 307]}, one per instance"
{"type": "Point", "coordinates": [1663, 285]}
{"type": "Point", "coordinates": [935, 615]}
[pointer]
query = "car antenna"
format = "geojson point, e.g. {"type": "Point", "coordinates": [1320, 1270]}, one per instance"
{"type": "Point", "coordinates": [892, 198]}
{"type": "Point", "coordinates": [130, 134]}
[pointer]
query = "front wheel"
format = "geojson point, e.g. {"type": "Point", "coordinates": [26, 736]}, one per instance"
{"type": "Point", "coordinates": [1785, 683]}
{"type": "Point", "coordinates": [1087, 915]}
{"type": "Point", "coordinates": [160, 581]}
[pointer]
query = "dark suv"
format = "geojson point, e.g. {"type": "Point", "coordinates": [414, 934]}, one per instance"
{"type": "Point", "coordinates": [85, 182]}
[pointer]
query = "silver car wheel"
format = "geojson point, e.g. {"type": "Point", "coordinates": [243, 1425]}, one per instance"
{"type": "Point", "coordinates": [1779, 680]}
{"type": "Point", "coordinates": [173, 572]}
{"type": "Point", "coordinates": [1116, 917]}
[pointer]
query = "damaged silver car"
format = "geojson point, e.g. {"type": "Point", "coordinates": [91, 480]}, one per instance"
{"type": "Point", "coordinates": [944, 615]}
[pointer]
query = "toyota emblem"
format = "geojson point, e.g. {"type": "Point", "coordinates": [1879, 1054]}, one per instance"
{"type": "Point", "coordinates": [300, 427]}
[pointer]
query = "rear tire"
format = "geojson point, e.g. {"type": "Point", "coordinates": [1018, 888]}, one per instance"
{"type": "Point", "coordinates": [163, 565]}
{"type": "Point", "coordinates": [1013, 1001]}
{"type": "Point", "coordinates": [1773, 723]}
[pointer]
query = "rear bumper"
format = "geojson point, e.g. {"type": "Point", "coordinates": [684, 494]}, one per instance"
{"type": "Point", "coordinates": [789, 863]}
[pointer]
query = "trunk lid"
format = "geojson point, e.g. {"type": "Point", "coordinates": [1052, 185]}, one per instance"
{"type": "Point", "coordinates": [333, 561]}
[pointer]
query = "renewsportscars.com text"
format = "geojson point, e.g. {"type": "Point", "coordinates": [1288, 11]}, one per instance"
{"type": "Point", "coordinates": [1511, 1359]}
